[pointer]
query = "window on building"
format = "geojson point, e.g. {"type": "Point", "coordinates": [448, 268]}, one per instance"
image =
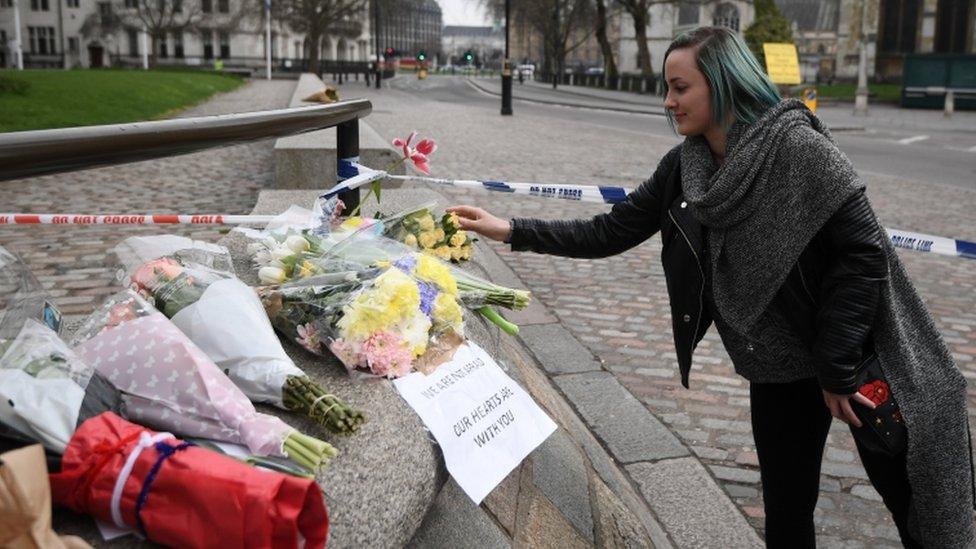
{"type": "Point", "coordinates": [162, 47]}
{"type": "Point", "coordinates": [40, 5]}
{"type": "Point", "coordinates": [73, 3]}
{"type": "Point", "coordinates": [133, 42]}
{"type": "Point", "coordinates": [899, 24]}
{"type": "Point", "coordinates": [224, 45]}
{"type": "Point", "coordinates": [952, 18]}
{"type": "Point", "coordinates": [726, 15]}
{"type": "Point", "coordinates": [41, 40]}
{"type": "Point", "coordinates": [73, 44]}
{"type": "Point", "coordinates": [178, 44]}
{"type": "Point", "coordinates": [206, 35]}
{"type": "Point", "coordinates": [688, 13]}
{"type": "Point", "coordinates": [223, 6]}
{"type": "Point", "coordinates": [6, 3]}
{"type": "Point", "coordinates": [131, 4]}
{"type": "Point", "coordinates": [206, 6]}
{"type": "Point", "coordinates": [177, 6]}
{"type": "Point", "coordinates": [105, 9]}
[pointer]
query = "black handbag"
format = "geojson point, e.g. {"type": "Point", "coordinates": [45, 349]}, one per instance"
{"type": "Point", "coordinates": [883, 428]}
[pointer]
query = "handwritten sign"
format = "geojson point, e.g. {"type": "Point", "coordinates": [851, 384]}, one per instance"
{"type": "Point", "coordinates": [782, 63]}
{"type": "Point", "coordinates": [484, 421]}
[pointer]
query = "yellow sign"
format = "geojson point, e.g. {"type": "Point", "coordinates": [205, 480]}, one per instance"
{"type": "Point", "coordinates": [782, 63]}
{"type": "Point", "coordinates": [810, 99]}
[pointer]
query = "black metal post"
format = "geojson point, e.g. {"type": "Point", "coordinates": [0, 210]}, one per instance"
{"type": "Point", "coordinates": [507, 66]}
{"type": "Point", "coordinates": [376, 34]}
{"type": "Point", "coordinates": [347, 153]}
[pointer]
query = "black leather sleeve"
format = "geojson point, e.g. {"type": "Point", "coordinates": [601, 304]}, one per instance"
{"type": "Point", "coordinates": [626, 225]}
{"type": "Point", "coordinates": [849, 292]}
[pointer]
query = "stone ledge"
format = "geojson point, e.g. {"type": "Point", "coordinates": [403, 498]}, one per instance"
{"type": "Point", "coordinates": [308, 160]}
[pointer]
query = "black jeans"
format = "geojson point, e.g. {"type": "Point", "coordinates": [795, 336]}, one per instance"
{"type": "Point", "coordinates": [790, 423]}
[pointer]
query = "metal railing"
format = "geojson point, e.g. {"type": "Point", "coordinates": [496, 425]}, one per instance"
{"type": "Point", "coordinates": [43, 152]}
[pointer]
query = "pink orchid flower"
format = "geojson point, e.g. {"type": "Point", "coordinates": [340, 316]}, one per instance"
{"type": "Point", "coordinates": [419, 154]}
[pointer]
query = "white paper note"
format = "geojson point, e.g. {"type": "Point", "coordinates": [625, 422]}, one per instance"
{"type": "Point", "coordinates": [484, 421]}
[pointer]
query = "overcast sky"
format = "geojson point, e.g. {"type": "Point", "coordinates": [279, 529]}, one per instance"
{"type": "Point", "coordinates": [463, 12]}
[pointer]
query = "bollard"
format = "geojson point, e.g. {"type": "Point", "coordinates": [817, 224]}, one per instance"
{"type": "Point", "coordinates": [347, 152]}
{"type": "Point", "coordinates": [950, 103]}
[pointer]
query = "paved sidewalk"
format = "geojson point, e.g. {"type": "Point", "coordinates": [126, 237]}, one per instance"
{"type": "Point", "coordinates": [609, 326]}
{"type": "Point", "coordinates": [72, 262]}
{"type": "Point", "coordinates": [837, 115]}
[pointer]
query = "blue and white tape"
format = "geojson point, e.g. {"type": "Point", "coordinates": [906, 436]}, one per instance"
{"type": "Point", "coordinates": [612, 195]}
{"type": "Point", "coordinates": [580, 193]}
{"type": "Point", "coordinates": [930, 243]}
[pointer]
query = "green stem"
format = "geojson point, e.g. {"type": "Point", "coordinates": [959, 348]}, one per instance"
{"type": "Point", "coordinates": [497, 320]}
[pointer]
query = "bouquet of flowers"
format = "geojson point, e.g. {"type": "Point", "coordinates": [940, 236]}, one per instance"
{"type": "Point", "coordinates": [225, 318]}
{"type": "Point", "coordinates": [181, 495]}
{"type": "Point", "coordinates": [295, 256]}
{"type": "Point", "coordinates": [169, 383]}
{"type": "Point", "coordinates": [387, 320]}
{"type": "Point", "coordinates": [46, 390]}
{"type": "Point", "coordinates": [440, 236]}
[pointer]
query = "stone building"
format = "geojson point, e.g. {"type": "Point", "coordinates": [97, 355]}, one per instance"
{"type": "Point", "coordinates": [97, 33]}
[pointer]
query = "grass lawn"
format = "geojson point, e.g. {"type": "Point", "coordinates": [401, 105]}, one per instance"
{"type": "Point", "coordinates": [877, 92]}
{"type": "Point", "coordinates": [58, 98]}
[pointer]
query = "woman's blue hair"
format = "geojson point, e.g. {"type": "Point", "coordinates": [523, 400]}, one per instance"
{"type": "Point", "coordinates": [740, 89]}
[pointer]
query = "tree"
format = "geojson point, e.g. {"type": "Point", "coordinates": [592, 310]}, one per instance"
{"type": "Point", "coordinates": [155, 17]}
{"type": "Point", "coordinates": [640, 12]}
{"type": "Point", "coordinates": [564, 25]}
{"type": "Point", "coordinates": [316, 18]}
{"type": "Point", "coordinates": [769, 26]}
{"type": "Point", "coordinates": [609, 66]}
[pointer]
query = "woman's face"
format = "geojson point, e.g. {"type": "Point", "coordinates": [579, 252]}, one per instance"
{"type": "Point", "coordinates": [689, 98]}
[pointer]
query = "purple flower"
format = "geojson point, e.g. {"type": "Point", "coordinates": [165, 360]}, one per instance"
{"type": "Point", "coordinates": [428, 293]}
{"type": "Point", "coordinates": [406, 263]}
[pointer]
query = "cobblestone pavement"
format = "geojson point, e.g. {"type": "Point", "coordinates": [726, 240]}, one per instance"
{"type": "Point", "coordinates": [618, 307]}
{"type": "Point", "coordinates": [72, 261]}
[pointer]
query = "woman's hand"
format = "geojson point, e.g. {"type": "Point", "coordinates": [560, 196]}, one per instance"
{"type": "Point", "coordinates": [840, 406]}
{"type": "Point", "coordinates": [482, 222]}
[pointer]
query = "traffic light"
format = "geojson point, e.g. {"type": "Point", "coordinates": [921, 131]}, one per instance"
{"type": "Point", "coordinates": [468, 56]}
{"type": "Point", "coordinates": [422, 55]}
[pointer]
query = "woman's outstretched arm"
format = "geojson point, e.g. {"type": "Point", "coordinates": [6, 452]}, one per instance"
{"type": "Point", "coordinates": [626, 225]}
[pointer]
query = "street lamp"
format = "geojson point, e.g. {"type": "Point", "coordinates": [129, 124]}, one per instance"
{"type": "Point", "coordinates": [507, 67]}
{"type": "Point", "coordinates": [376, 35]}
{"type": "Point", "coordinates": [861, 96]}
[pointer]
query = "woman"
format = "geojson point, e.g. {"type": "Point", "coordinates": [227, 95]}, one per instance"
{"type": "Point", "coordinates": [767, 234]}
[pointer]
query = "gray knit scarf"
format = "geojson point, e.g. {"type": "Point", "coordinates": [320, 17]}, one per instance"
{"type": "Point", "coordinates": [766, 203]}
{"type": "Point", "coordinates": [782, 180]}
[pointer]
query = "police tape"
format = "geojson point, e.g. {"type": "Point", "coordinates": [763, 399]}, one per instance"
{"type": "Point", "coordinates": [580, 193]}
{"type": "Point", "coordinates": [921, 242]}
{"type": "Point", "coordinates": [132, 219]}
{"type": "Point", "coordinates": [354, 175]}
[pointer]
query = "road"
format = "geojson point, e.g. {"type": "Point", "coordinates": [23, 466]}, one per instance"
{"type": "Point", "coordinates": [946, 157]}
